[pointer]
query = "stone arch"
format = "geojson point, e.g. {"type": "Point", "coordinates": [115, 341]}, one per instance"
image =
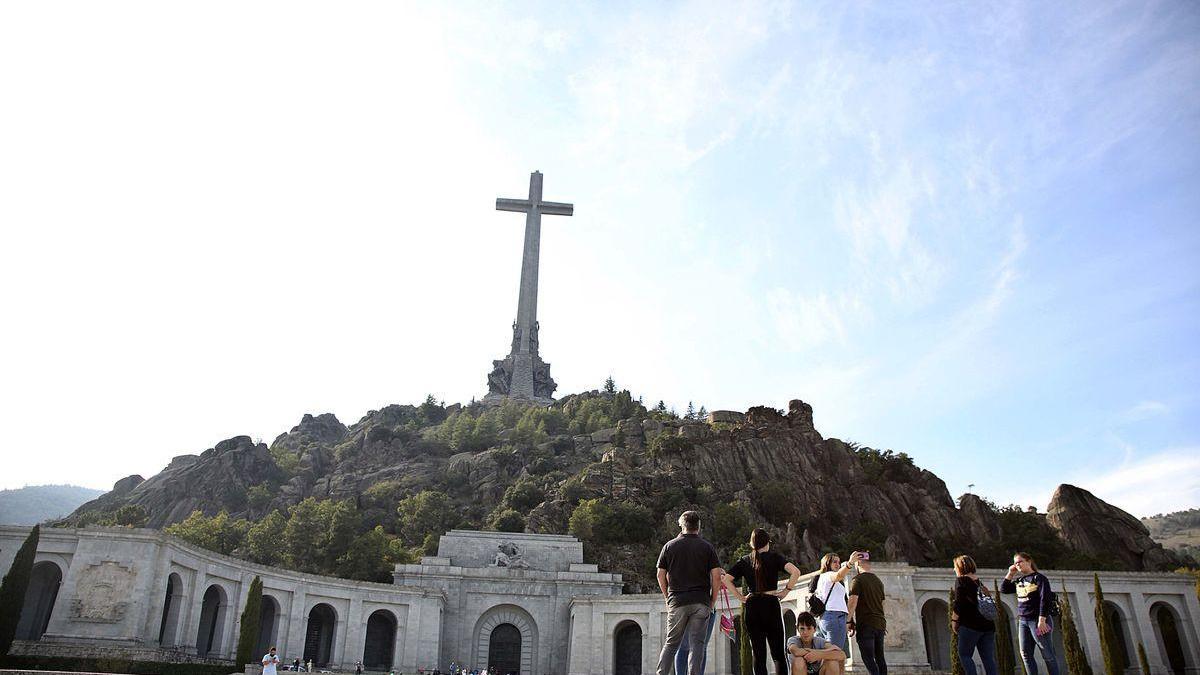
{"type": "Point", "coordinates": [935, 625]}
{"type": "Point", "coordinates": [268, 625]}
{"type": "Point", "coordinates": [319, 633]}
{"type": "Point", "coordinates": [519, 619]}
{"type": "Point", "coordinates": [168, 628]}
{"type": "Point", "coordinates": [214, 611]}
{"type": "Point", "coordinates": [1116, 618]}
{"type": "Point", "coordinates": [1172, 642]}
{"type": "Point", "coordinates": [380, 645]}
{"type": "Point", "coordinates": [40, 597]}
{"type": "Point", "coordinates": [627, 648]}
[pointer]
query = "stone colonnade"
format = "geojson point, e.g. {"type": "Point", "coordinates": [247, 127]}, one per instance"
{"type": "Point", "coordinates": [622, 635]}
{"type": "Point", "coordinates": [140, 594]}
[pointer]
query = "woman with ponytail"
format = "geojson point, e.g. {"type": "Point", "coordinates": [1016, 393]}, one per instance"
{"type": "Point", "coordinates": [764, 620]}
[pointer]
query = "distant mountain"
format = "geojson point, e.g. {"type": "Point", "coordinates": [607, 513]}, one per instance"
{"type": "Point", "coordinates": [36, 503]}
{"type": "Point", "coordinates": [1179, 531]}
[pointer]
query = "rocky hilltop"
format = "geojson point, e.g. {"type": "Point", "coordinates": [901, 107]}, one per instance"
{"type": "Point", "coordinates": [601, 460]}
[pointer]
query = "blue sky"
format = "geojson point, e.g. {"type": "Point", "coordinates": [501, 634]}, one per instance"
{"type": "Point", "coordinates": [967, 233]}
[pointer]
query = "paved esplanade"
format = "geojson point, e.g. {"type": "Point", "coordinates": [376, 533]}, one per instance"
{"type": "Point", "coordinates": [523, 374]}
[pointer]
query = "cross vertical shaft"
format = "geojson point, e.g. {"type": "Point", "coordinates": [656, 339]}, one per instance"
{"type": "Point", "coordinates": [523, 374]}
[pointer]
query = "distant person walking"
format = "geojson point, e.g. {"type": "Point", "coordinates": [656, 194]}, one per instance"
{"type": "Point", "coordinates": [975, 631]}
{"type": "Point", "coordinates": [1035, 612]}
{"type": "Point", "coordinates": [764, 619]}
{"type": "Point", "coordinates": [831, 589]}
{"type": "Point", "coordinates": [866, 619]}
{"type": "Point", "coordinates": [688, 576]}
{"type": "Point", "coordinates": [270, 662]}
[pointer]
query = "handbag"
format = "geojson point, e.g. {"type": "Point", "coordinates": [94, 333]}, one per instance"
{"type": "Point", "coordinates": [987, 604]}
{"type": "Point", "coordinates": [728, 627]}
{"type": "Point", "coordinates": [816, 606]}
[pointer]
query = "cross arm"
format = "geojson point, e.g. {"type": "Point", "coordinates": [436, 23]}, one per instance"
{"type": "Point", "coordinates": [522, 205]}
{"type": "Point", "coordinates": [556, 209]}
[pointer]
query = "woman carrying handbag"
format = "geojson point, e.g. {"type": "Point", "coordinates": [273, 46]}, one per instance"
{"type": "Point", "coordinates": [764, 618]}
{"type": "Point", "coordinates": [974, 618]}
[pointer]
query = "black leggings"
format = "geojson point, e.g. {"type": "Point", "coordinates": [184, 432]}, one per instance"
{"type": "Point", "coordinates": [764, 621]}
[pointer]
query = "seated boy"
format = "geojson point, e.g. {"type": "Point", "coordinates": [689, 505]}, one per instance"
{"type": "Point", "coordinates": [812, 655]}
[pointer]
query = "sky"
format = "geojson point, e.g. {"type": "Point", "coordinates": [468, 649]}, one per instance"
{"type": "Point", "coordinates": [966, 232]}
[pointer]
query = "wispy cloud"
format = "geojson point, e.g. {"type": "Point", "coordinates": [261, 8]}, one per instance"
{"type": "Point", "coordinates": [1143, 410]}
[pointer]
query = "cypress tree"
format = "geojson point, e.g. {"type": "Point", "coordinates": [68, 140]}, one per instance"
{"type": "Point", "coordinates": [1077, 663]}
{"type": "Point", "coordinates": [251, 618]}
{"type": "Point", "coordinates": [956, 666]}
{"type": "Point", "coordinates": [1006, 659]}
{"type": "Point", "coordinates": [745, 652]}
{"type": "Point", "coordinates": [1142, 660]}
{"type": "Point", "coordinates": [1108, 636]}
{"type": "Point", "coordinates": [13, 588]}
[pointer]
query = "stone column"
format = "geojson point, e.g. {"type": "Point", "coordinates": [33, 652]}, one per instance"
{"type": "Point", "coordinates": [1145, 626]}
{"type": "Point", "coordinates": [297, 622]}
{"type": "Point", "coordinates": [353, 640]}
{"type": "Point", "coordinates": [232, 619]}
{"type": "Point", "coordinates": [191, 627]}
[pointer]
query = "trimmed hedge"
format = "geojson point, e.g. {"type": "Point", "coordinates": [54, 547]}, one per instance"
{"type": "Point", "coordinates": [98, 665]}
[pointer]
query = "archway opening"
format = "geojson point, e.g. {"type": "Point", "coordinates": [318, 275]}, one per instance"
{"type": "Point", "coordinates": [1117, 620]}
{"type": "Point", "coordinates": [935, 623]}
{"type": "Point", "coordinates": [267, 623]}
{"type": "Point", "coordinates": [318, 639]}
{"type": "Point", "coordinates": [381, 640]}
{"type": "Point", "coordinates": [789, 624]}
{"type": "Point", "coordinates": [627, 649]}
{"type": "Point", "coordinates": [168, 628]}
{"type": "Point", "coordinates": [1170, 638]}
{"type": "Point", "coordinates": [212, 622]}
{"type": "Point", "coordinates": [39, 600]}
{"type": "Point", "coordinates": [504, 650]}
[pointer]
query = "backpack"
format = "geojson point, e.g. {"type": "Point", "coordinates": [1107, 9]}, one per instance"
{"type": "Point", "coordinates": [1055, 608]}
{"type": "Point", "coordinates": [816, 606]}
{"type": "Point", "coordinates": [987, 604]}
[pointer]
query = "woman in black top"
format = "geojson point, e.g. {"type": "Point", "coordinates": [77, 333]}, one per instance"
{"type": "Point", "coordinates": [764, 620]}
{"type": "Point", "coordinates": [974, 630]}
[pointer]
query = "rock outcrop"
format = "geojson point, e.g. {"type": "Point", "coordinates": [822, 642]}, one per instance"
{"type": "Point", "coordinates": [812, 493]}
{"type": "Point", "coordinates": [1091, 525]}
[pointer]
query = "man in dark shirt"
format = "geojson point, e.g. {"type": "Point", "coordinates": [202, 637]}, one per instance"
{"type": "Point", "coordinates": [866, 616]}
{"type": "Point", "coordinates": [688, 576]}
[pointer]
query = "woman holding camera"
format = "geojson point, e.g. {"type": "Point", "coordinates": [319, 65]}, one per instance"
{"type": "Point", "coordinates": [1035, 612]}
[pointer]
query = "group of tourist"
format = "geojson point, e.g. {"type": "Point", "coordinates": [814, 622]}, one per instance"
{"type": "Point", "coordinates": [695, 586]}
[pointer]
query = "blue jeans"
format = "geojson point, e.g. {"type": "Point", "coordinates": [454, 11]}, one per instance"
{"type": "Point", "coordinates": [1028, 638]}
{"type": "Point", "coordinates": [681, 656]}
{"type": "Point", "coordinates": [832, 627]}
{"type": "Point", "coordinates": [970, 640]}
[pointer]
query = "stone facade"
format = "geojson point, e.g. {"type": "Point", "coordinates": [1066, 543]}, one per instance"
{"type": "Point", "coordinates": [487, 597]}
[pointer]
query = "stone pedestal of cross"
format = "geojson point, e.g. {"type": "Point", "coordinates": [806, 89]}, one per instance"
{"type": "Point", "coordinates": [523, 374]}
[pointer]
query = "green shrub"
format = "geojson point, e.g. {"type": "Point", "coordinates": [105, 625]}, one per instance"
{"type": "Point", "coordinates": [507, 520]}
{"type": "Point", "coordinates": [1113, 663]}
{"type": "Point", "coordinates": [1006, 658]}
{"type": "Point", "coordinates": [1077, 663]}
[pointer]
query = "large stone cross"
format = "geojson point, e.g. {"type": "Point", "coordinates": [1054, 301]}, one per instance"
{"type": "Point", "coordinates": [533, 208]}
{"type": "Point", "coordinates": [523, 360]}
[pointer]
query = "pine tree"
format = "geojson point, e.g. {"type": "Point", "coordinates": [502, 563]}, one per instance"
{"type": "Point", "coordinates": [691, 412]}
{"type": "Point", "coordinates": [956, 666]}
{"type": "Point", "coordinates": [1108, 636]}
{"type": "Point", "coordinates": [1006, 658]}
{"type": "Point", "coordinates": [610, 387]}
{"type": "Point", "coordinates": [1142, 660]}
{"type": "Point", "coordinates": [12, 589]}
{"type": "Point", "coordinates": [1077, 663]}
{"type": "Point", "coordinates": [702, 414]}
{"type": "Point", "coordinates": [251, 617]}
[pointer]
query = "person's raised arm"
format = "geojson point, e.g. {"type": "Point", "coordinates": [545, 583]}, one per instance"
{"type": "Point", "coordinates": [845, 568]}
{"type": "Point", "coordinates": [793, 577]}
